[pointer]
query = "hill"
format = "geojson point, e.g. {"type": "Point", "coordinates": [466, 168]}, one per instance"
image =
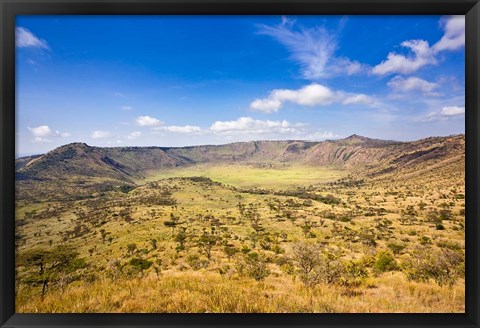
{"type": "Point", "coordinates": [97, 169]}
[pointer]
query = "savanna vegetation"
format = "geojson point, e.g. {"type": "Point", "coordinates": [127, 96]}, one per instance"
{"type": "Point", "coordinates": [248, 237]}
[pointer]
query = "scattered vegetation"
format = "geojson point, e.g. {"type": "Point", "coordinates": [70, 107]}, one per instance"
{"type": "Point", "coordinates": [243, 237]}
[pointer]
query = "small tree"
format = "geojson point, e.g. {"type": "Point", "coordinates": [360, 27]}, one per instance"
{"type": "Point", "coordinates": [181, 238]}
{"type": "Point", "coordinates": [153, 242]}
{"type": "Point", "coordinates": [170, 224]}
{"type": "Point", "coordinates": [49, 265]}
{"type": "Point", "coordinates": [307, 257]}
{"type": "Point", "coordinates": [158, 267]}
{"type": "Point", "coordinates": [131, 248]}
{"type": "Point", "coordinates": [207, 241]}
{"type": "Point", "coordinates": [104, 234]}
{"type": "Point", "coordinates": [140, 264]}
{"type": "Point", "coordinates": [230, 251]}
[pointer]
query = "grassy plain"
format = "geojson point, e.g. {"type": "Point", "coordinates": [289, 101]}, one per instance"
{"type": "Point", "coordinates": [271, 175]}
{"type": "Point", "coordinates": [249, 238]}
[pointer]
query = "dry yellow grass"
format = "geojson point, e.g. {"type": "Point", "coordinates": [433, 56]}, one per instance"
{"type": "Point", "coordinates": [207, 292]}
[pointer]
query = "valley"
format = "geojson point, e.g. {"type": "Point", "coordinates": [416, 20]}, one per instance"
{"type": "Point", "coordinates": [339, 226]}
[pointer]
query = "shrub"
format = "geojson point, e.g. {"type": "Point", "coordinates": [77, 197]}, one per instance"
{"type": "Point", "coordinates": [385, 261]}
{"type": "Point", "coordinates": [254, 266]}
{"type": "Point", "coordinates": [354, 273]}
{"type": "Point", "coordinates": [196, 262]}
{"type": "Point", "coordinates": [444, 267]}
{"type": "Point", "coordinates": [396, 248]}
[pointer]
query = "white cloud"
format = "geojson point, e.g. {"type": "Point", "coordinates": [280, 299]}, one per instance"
{"type": "Point", "coordinates": [452, 111]}
{"type": "Point", "coordinates": [248, 125]}
{"type": "Point", "coordinates": [421, 55]}
{"type": "Point", "coordinates": [148, 121]}
{"type": "Point", "coordinates": [310, 95]}
{"type": "Point", "coordinates": [445, 114]}
{"type": "Point", "coordinates": [134, 135]}
{"type": "Point", "coordinates": [454, 37]}
{"type": "Point", "coordinates": [402, 84]}
{"type": "Point", "coordinates": [43, 132]}
{"type": "Point", "coordinates": [421, 52]}
{"type": "Point", "coordinates": [321, 135]}
{"type": "Point", "coordinates": [313, 48]}
{"type": "Point", "coordinates": [358, 99]}
{"type": "Point", "coordinates": [26, 39]}
{"type": "Point", "coordinates": [180, 129]}
{"type": "Point", "coordinates": [127, 108]}
{"type": "Point", "coordinates": [266, 105]}
{"type": "Point", "coordinates": [101, 134]}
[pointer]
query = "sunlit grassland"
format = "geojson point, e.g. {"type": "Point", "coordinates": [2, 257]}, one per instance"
{"type": "Point", "coordinates": [244, 175]}
{"type": "Point", "coordinates": [207, 292]}
{"type": "Point", "coordinates": [363, 222]}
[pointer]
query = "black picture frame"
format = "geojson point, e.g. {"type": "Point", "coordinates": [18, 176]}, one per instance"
{"type": "Point", "coordinates": [10, 8]}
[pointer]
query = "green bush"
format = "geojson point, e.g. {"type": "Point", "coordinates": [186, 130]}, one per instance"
{"type": "Point", "coordinates": [140, 265]}
{"type": "Point", "coordinates": [385, 261]}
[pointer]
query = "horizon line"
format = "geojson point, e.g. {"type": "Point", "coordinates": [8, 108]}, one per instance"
{"type": "Point", "coordinates": [18, 156]}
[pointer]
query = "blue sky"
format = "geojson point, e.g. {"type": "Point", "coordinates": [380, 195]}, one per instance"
{"type": "Point", "coordinates": [190, 80]}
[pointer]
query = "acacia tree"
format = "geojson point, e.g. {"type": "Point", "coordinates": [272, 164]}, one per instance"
{"type": "Point", "coordinates": [181, 238]}
{"type": "Point", "coordinates": [49, 265]}
{"type": "Point", "coordinates": [230, 251]}
{"type": "Point", "coordinates": [206, 242]}
{"type": "Point", "coordinates": [140, 264]}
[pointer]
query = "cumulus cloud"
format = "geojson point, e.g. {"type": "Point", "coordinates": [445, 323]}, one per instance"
{"type": "Point", "coordinates": [180, 129]}
{"type": "Point", "coordinates": [421, 54]}
{"type": "Point", "coordinates": [100, 134]}
{"type": "Point", "coordinates": [248, 125]}
{"type": "Point", "coordinates": [311, 95]}
{"type": "Point", "coordinates": [454, 37]}
{"type": "Point", "coordinates": [402, 84]}
{"type": "Point", "coordinates": [44, 132]}
{"type": "Point", "coordinates": [148, 121]}
{"type": "Point", "coordinates": [134, 135]}
{"type": "Point", "coordinates": [313, 48]}
{"type": "Point", "coordinates": [445, 114]}
{"type": "Point", "coordinates": [26, 39]}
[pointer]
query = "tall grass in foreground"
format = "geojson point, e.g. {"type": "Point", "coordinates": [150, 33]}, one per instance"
{"type": "Point", "coordinates": [185, 292]}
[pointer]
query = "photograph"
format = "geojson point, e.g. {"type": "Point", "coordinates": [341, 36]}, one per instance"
{"type": "Point", "coordinates": [240, 164]}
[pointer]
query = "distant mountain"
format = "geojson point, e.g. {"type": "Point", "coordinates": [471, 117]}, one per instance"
{"type": "Point", "coordinates": [124, 165]}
